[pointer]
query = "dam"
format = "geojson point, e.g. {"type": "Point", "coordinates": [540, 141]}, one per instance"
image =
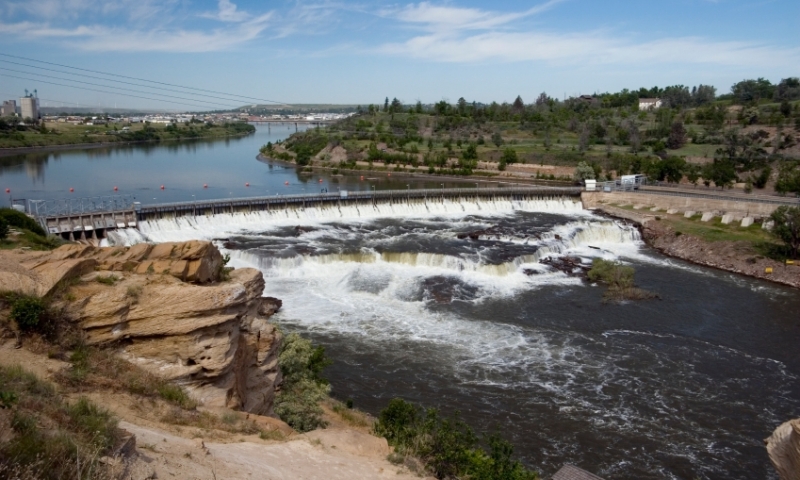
{"type": "Point", "coordinates": [92, 219]}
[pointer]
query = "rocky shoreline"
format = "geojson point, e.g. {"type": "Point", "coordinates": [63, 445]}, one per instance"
{"type": "Point", "coordinates": [734, 257]}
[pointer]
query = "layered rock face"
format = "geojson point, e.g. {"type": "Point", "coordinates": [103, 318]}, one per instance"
{"type": "Point", "coordinates": [783, 447]}
{"type": "Point", "coordinates": [212, 338]}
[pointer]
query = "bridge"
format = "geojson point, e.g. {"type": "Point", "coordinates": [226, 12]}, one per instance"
{"type": "Point", "coordinates": [90, 218]}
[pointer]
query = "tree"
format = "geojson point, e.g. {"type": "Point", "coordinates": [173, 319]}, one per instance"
{"type": "Point", "coordinates": [583, 172]}
{"type": "Point", "coordinates": [462, 106]}
{"type": "Point", "coordinates": [386, 105]}
{"type": "Point", "coordinates": [703, 94]}
{"type": "Point", "coordinates": [677, 136]}
{"type": "Point", "coordinates": [397, 106]}
{"type": "Point", "coordinates": [788, 179]}
{"type": "Point", "coordinates": [497, 139]}
{"type": "Point", "coordinates": [748, 91]}
{"type": "Point", "coordinates": [673, 169]}
{"type": "Point", "coordinates": [518, 105]}
{"type": "Point", "coordinates": [509, 156]}
{"type": "Point", "coordinates": [786, 227]}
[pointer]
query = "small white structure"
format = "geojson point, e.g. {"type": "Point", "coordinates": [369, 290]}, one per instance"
{"type": "Point", "coordinates": [649, 103]}
{"type": "Point", "coordinates": [591, 185]}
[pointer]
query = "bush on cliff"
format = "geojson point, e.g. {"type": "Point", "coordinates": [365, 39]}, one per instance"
{"type": "Point", "coordinates": [447, 447]}
{"type": "Point", "coordinates": [20, 220]}
{"type": "Point", "coordinates": [303, 387]}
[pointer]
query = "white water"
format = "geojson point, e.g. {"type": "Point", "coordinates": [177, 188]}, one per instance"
{"type": "Point", "coordinates": [222, 225]}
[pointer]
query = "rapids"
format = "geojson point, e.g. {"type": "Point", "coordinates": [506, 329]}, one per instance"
{"type": "Point", "coordinates": [448, 304]}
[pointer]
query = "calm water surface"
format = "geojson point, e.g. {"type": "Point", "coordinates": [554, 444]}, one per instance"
{"type": "Point", "coordinates": [140, 170]}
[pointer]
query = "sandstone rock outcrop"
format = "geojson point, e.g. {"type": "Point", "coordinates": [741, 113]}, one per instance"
{"type": "Point", "coordinates": [783, 447]}
{"type": "Point", "coordinates": [212, 338]}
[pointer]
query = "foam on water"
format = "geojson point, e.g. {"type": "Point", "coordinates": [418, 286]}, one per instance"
{"type": "Point", "coordinates": [224, 224]}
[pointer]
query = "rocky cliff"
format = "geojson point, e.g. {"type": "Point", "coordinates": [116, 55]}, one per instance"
{"type": "Point", "coordinates": [783, 447]}
{"type": "Point", "coordinates": [166, 308]}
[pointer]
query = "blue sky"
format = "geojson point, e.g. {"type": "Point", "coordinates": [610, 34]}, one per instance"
{"type": "Point", "coordinates": [360, 52]}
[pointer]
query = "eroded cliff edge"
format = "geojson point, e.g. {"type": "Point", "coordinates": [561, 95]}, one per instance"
{"type": "Point", "coordinates": [172, 309]}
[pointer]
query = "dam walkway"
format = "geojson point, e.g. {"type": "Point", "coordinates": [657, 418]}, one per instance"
{"type": "Point", "coordinates": [91, 218]}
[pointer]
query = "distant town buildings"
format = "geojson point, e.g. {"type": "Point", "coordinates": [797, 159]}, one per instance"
{"type": "Point", "coordinates": [9, 108]}
{"type": "Point", "coordinates": [649, 103]}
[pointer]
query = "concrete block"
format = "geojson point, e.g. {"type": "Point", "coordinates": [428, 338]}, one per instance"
{"type": "Point", "coordinates": [689, 213]}
{"type": "Point", "coordinates": [672, 211]}
{"type": "Point", "coordinates": [707, 216]}
{"type": "Point", "coordinates": [655, 209]}
{"type": "Point", "coordinates": [767, 225]}
{"type": "Point", "coordinates": [727, 218]}
{"type": "Point", "coordinates": [638, 207]}
{"type": "Point", "coordinates": [747, 221]}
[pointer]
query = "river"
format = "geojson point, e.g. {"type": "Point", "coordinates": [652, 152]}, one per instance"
{"type": "Point", "coordinates": [686, 386]}
{"type": "Point", "coordinates": [183, 168]}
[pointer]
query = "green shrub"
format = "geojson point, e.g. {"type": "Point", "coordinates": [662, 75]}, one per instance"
{"type": "Point", "coordinates": [619, 279]}
{"type": "Point", "coordinates": [20, 220]}
{"type": "Point", "coordinates": [176, 395]}
{"type": "Point", "coordinates": [3, 229]}
{"type": "Point", "coordinates": [446, 446]}
{"type": "Point", "coordinates": [303, 386]}
{"type": "Point", "coordinates": [107, 280]}
{"type": "Point", "coordinates": [28, 312]}
{"type": "Point", "coordinates": [95, 423]}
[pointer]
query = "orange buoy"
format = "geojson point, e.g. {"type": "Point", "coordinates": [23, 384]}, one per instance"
{"type": "Point", "coordinates": [71, 189]}
{"type": "Point", "coordinates": [286, 182]}
{"type": "Point", "coordinates": [247, 184]}
{"type": "Point", "coordinates": [362, 178]}
{"type": "Point", "coordinates": [388, 174]}
{"type": "Point", "coordinates": [320, 180]}
{"type": "Point", "coordinates": [162, 187]}
{"type": "Point", "coordinates": [115, 188]}
{"type": "Point", "coordinates": [8, 190]}
{"type": "Point", "coordinates": [205, 185]}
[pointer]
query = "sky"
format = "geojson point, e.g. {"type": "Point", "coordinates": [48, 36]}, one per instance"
{"type": "Point", "coordinates": [325, 51]}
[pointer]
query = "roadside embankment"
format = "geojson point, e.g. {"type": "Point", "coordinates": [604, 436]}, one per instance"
{"type": "Point", "coordinates": [728, 247]}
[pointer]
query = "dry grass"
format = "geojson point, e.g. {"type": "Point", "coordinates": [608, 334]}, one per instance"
{"type": "Point", "coordinates": [45, 437]}
{"type": "Point", "coordinates": [95, 368]}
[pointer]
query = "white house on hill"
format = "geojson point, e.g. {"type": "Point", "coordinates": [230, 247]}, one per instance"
{"type": "Point", "coordinates": [649, 103]}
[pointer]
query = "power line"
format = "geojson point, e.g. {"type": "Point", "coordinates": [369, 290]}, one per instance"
{"type": "Point", "coordinates": [111, 86]}
{"type": "Point", "coordinates": [142, 79]}
{"type": "Point", "coordinates": [118, 81]}
{"type": "Point", "coordinates": [102, 91]}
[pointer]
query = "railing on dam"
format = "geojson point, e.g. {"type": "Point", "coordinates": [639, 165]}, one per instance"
{"type": "Point", "coordinates": [210, 207]}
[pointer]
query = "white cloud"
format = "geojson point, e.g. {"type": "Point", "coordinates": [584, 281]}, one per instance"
{"type": "Point", "coordinates": [166, 34]}
{"type": "Point", "coordinates": [228, 12]}
{"type": "Point", "coordinates": [439, 17]}
{"type": "Point", "coordinates": [470, 35]}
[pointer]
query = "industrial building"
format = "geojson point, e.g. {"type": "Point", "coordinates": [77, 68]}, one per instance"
{"type": "Point", "coordinates": [9, 108]}
{"type": "Point", "coordinates": [29, 107]}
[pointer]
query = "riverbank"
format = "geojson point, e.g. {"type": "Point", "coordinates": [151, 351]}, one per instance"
{"type": "Point", "coordinates": [660, 231]}
{"type": "Point", "coordinates": [72, 137]}
{"type": "Point", "coordinates": [507, 178]}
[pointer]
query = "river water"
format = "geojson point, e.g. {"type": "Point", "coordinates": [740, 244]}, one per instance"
{"type": "Point", "coordinates": [686, 386]}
